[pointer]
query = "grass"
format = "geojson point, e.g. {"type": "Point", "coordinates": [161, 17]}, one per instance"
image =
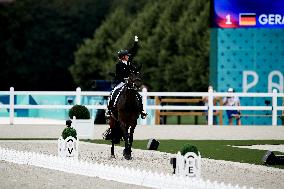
{"type": "Point", "coordinates": [214, 149]}
{"type": "Point", "coordinates": [185, 120]}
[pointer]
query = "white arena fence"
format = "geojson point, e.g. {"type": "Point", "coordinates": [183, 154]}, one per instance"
{"type": "Point", "coordinates": [274, 107]}
{"type": "Point", "coordinates": [109, 172]}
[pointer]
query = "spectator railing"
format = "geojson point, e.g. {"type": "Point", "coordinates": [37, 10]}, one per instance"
{"type": "Point", "coordinates": [145, 94]}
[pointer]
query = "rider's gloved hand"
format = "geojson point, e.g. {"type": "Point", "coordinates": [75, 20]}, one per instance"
{"type": "Point", "coordinates": [136, 38]}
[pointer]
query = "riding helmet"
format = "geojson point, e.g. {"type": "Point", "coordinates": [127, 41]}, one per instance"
{"type": "Point", "coordinates": [122, 53]}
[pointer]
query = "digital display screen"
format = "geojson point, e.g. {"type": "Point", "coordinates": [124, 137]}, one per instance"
{"type": "Point", "coordinates": [247, 13]}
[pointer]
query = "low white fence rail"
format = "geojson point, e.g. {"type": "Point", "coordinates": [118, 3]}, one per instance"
{"type": "Point", "coordinates": [110, 172]}
{"type": "Point", "coordinates": [145, 95]}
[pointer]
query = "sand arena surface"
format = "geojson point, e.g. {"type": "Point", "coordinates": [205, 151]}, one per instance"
{"type": "Point", "coordinates": [178, 132]}
{"type": "Point", "coordinates": [23, 176]}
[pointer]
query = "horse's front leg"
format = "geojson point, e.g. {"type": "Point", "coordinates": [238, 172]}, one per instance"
{"type": "Point", "coordinates": [127, 150]}
{"type": "Point", "coordinates": [131, 137]}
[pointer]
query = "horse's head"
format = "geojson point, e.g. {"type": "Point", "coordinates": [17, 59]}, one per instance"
{"type": "Point", "coordinates": [134, 80]}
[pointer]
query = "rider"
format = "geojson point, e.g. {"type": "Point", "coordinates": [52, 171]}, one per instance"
{"type": "Point", "coordinates": [123, 68]}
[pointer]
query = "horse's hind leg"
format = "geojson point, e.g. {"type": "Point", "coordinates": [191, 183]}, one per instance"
{"type": "Point", "coordinates": [112, 134]}
{"type": "Point", "coordinates": [112, 145]}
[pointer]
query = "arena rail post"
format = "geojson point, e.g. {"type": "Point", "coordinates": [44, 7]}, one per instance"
{"type": "Point", "coordinates": [78, 96]}
{"type": "Point", "coordinates": [274, 108]}
{"type": "Point", "coordinates": [210, 107]}
{"type": "Point", "coordinates": [144, 100]}
{"type": "Point", "coordinates": [12, 103]}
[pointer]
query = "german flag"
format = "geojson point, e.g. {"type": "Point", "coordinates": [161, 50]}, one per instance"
{"type": "Point", "coordinates": [247, 19]}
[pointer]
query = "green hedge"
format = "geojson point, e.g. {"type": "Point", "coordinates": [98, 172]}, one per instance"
{"type": "Point", "coordinates": [188, 148]}
{"type": "Point", "coordinates": [69, 131]}
{"type": "Point", "coordinates": [80, 112]}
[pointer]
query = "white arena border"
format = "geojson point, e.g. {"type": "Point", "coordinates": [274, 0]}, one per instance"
{"type": "Point", "coordinates": [109, 172]}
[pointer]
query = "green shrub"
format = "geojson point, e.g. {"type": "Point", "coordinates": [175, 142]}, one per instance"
{"type": "Point", "coordinates": [80, 112]}
{"type": "Point", "coordinates": [69, 131]}
{"type": "Point", "coordinates": [188, 148]}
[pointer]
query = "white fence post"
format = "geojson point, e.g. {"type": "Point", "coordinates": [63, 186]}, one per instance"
{"type": "Point", "coordinates": [274, 108]}
{"type": "Point", "coordinates": [78, 96]}
{"type": "Point", "coordinates": [144, 100]}
{"type": "Point", "coordinates": [110, 172]}
{"type": "Point", "coordinates": [210, 107]}
{"type": "Point", "coordinates": [12, 103]}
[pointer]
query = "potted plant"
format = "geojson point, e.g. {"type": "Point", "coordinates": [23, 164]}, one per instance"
{"type": "Point", "coordinates": [187, 162]}
{"type": "Point", "coordinates": [80, 112]}
{"type": "Point", "coordinates": [189, 148]}
{"type": "Point", "coordinates": [84, 126]}
{"type": "Point", "coordinates": [68, 142]}
{"type": "Point", "coordinates": [69, 131]}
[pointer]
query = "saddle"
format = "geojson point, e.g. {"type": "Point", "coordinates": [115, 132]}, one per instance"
{"type": "Point", "coordinates": [116, 94]}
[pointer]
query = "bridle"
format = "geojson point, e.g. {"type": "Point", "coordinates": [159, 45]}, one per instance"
{"type": "Point", "coordinates": [133, 82]}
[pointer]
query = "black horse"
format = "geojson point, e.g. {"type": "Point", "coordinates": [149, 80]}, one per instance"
{"type": "Point", "coordinates": [126, 112]}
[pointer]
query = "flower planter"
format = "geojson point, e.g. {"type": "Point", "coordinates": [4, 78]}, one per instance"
{"type": "Point", "coordinates": [84, 127]}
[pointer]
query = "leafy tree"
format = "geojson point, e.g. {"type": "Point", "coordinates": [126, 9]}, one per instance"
{"type": "Point", "coordinates": [38, 38]}
{"type": "Point", "coordinates": [174, 40]}
{"type": "Point", "coordinates": [95, 58]}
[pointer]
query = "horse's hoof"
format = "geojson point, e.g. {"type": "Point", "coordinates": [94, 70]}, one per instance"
{"type": "Point", "coordinates": [127, 154]}
{"type": "Point", "coordinates": [127, 157]}
{"type": "Point", "coordinates": [112, 157]}
{"type": "Point", "coordinates": [127, 151]}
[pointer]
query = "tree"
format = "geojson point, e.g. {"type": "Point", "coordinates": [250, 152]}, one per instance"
{"type": "Point", "coordinates": [174, 40]}
{"type": "Point", "coordinates": [96, 57]}
{"type": "Point", "coordinates": [39, 37]}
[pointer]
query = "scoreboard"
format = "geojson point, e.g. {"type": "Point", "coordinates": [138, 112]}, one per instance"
{"type": "Point", "coordinates": [247, 13]}
{"type": "Point", "coordinates": [247, 51]}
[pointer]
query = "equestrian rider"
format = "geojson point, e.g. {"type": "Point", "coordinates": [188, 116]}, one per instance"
{"type": "Point", "coordinates": [123, 68]}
